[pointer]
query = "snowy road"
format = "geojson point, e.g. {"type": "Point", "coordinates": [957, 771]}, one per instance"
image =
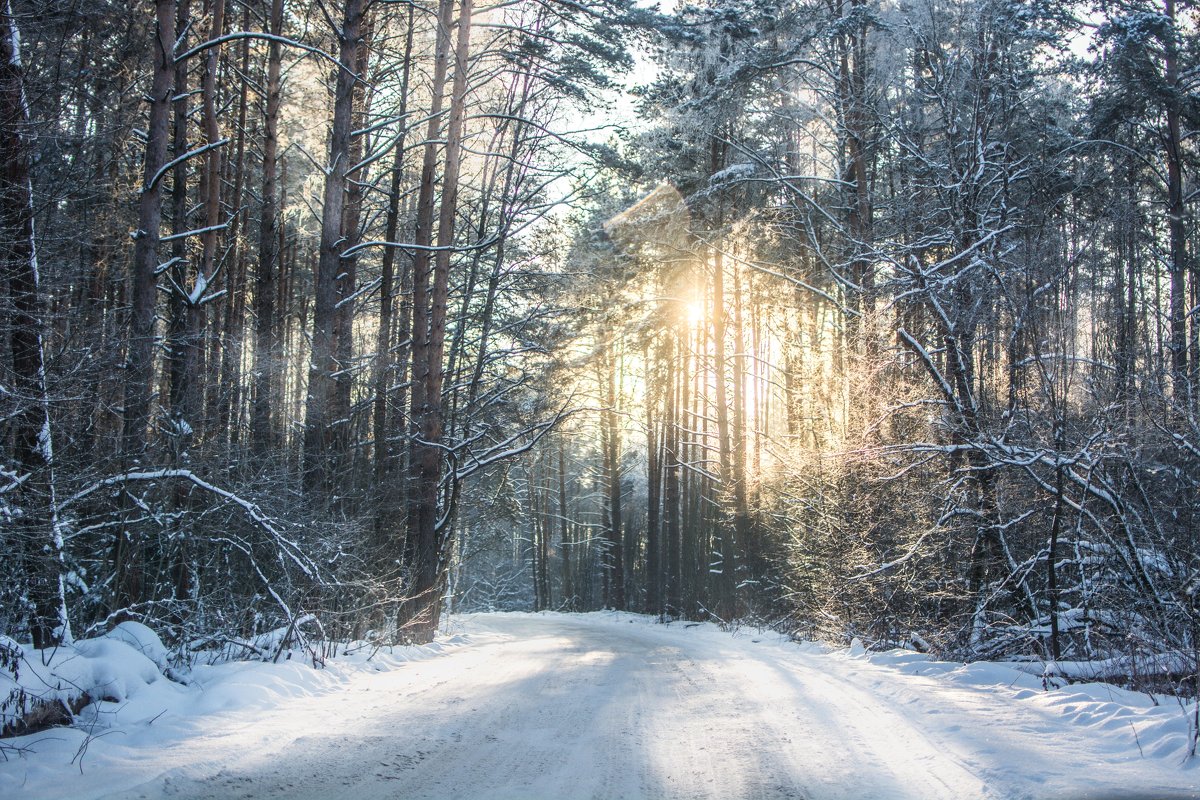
{"type": "Point", "coordinates": [597, 706]}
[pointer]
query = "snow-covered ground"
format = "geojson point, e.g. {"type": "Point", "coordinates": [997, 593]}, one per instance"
{"type": "Point", "coordinates": [614, 706]}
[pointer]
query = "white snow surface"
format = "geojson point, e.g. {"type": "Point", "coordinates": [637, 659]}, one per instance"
{"type": "Point", "coordinates": [610, 705]}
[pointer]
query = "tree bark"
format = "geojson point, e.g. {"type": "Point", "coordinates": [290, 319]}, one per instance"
{"type": "Point", "coordinates": [318, 427]}
{"type": "Point", "coordinates": [194, 362]}
{"type": "Point", "coordinates": [176, 298]}
{"type": "Point", "coordinates": [127, 585]}
{"type": "Point", "coordinates": [673, 460]}
{"type": "Point", "coordinates": [570, 601]}
{"type": "Point", "coordinates": [1177, 232]}
{"type": "Point", "coordinates": [384, 456]}
{"type": "Point", "coordinates": [724, 442]}
{"type": "Point", "coordinates": [654, 570]}
{"type": "Point", "coordinates": [38, 528]}
{"type": "Point", "coordinates": [346, 282]}
{"type": "Point", "coordinates": [229, 399]}
{"type": "Point", "coordinates": [268, 360]}
{"type": "Point", "coordinates": [430, 300]}
{"type": "Point", "coordinates": [614, 561]}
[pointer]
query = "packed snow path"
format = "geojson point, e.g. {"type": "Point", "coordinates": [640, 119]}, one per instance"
{"type": "Point", "coordinates": [605, 706]}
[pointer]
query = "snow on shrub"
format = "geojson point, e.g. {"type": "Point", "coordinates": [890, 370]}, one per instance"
{"type": "Point", "coordinates": [142, 639]}
{"type": "Point", "coordinates": [42, 688]}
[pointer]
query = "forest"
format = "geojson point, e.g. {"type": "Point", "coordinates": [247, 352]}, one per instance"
{"type": "Point", "coordinates": [848, 318]}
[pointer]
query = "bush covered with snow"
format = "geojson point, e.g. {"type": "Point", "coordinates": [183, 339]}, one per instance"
{"type": "Point", "coordinates": [41, 688]}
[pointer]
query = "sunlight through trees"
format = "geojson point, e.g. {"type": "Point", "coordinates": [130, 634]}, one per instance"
{"type": "Point", "coordinates": [850, 317]}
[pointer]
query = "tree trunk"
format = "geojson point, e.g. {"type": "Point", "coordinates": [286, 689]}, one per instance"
{"type": "Point", "coordinates": [570, 602]}
{"type": "Point", "coordinates": [127, 584]}
{"type": "Point", "coordinates": [210, 190]}
{"type": "Point", "coordinates": [741, 511]}
{"type": "Point", "coordinates": [268, 360]}
{"type": "Point", "coordinates": [429, 328]}
{"type": "Point", "coordinates": [1177, 232]}
{"type": "Point", "coordinates": [346, 282]}
{"type": "Point", "coordinates": [383, 344]}
{"type": "Point", "coordinates": [176, 297]}
{"type": "Point", "coordinates": [614, 562]}
{"type": "Point", "coordinates": [318, 431]}
{"type": "Point", "coordinates": [724, 443]}
{"type": "Point", "coordinates": [38, 528]}
{"type": "Point", "coordinates": [545, 527]}
{"type": "Point", "coordinates": [654, 571]}
{"type": "Point", "coordinates": [229, 400]}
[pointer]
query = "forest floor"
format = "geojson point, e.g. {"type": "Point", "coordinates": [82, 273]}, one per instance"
{"type": "Point", "coordinates": [604, 705]}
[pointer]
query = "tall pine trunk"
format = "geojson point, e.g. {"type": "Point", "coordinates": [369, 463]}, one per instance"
{"type": "Point", "coordinates": [127, 583]}
{"type": "Point", "coordinates": [318, 429]}
{"type": "Point", "coordinates": [384, 373]}
{"type": "Point", "coordinates": [268, 359]}
{"type": "Point", "coordinates": [1181, 377]}
{"type": "Point", "coordinates": [430, 300]}
{"type": "Point", "coordinates": [37, 525]}
{"type": "Point", "coordinates": [193, 403]}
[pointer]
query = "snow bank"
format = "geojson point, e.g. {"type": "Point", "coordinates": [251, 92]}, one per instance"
{"type": "Point", "coordinates": [50, 684]}
{"type": "Point", "coordinates": [132, 710]}
{"type": "Point", "coordinates": [1118, 720]}
{"type": "Point", "coordinates": [113, 678]}
{"type": "Point", "coordinates": [1158, 726]}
